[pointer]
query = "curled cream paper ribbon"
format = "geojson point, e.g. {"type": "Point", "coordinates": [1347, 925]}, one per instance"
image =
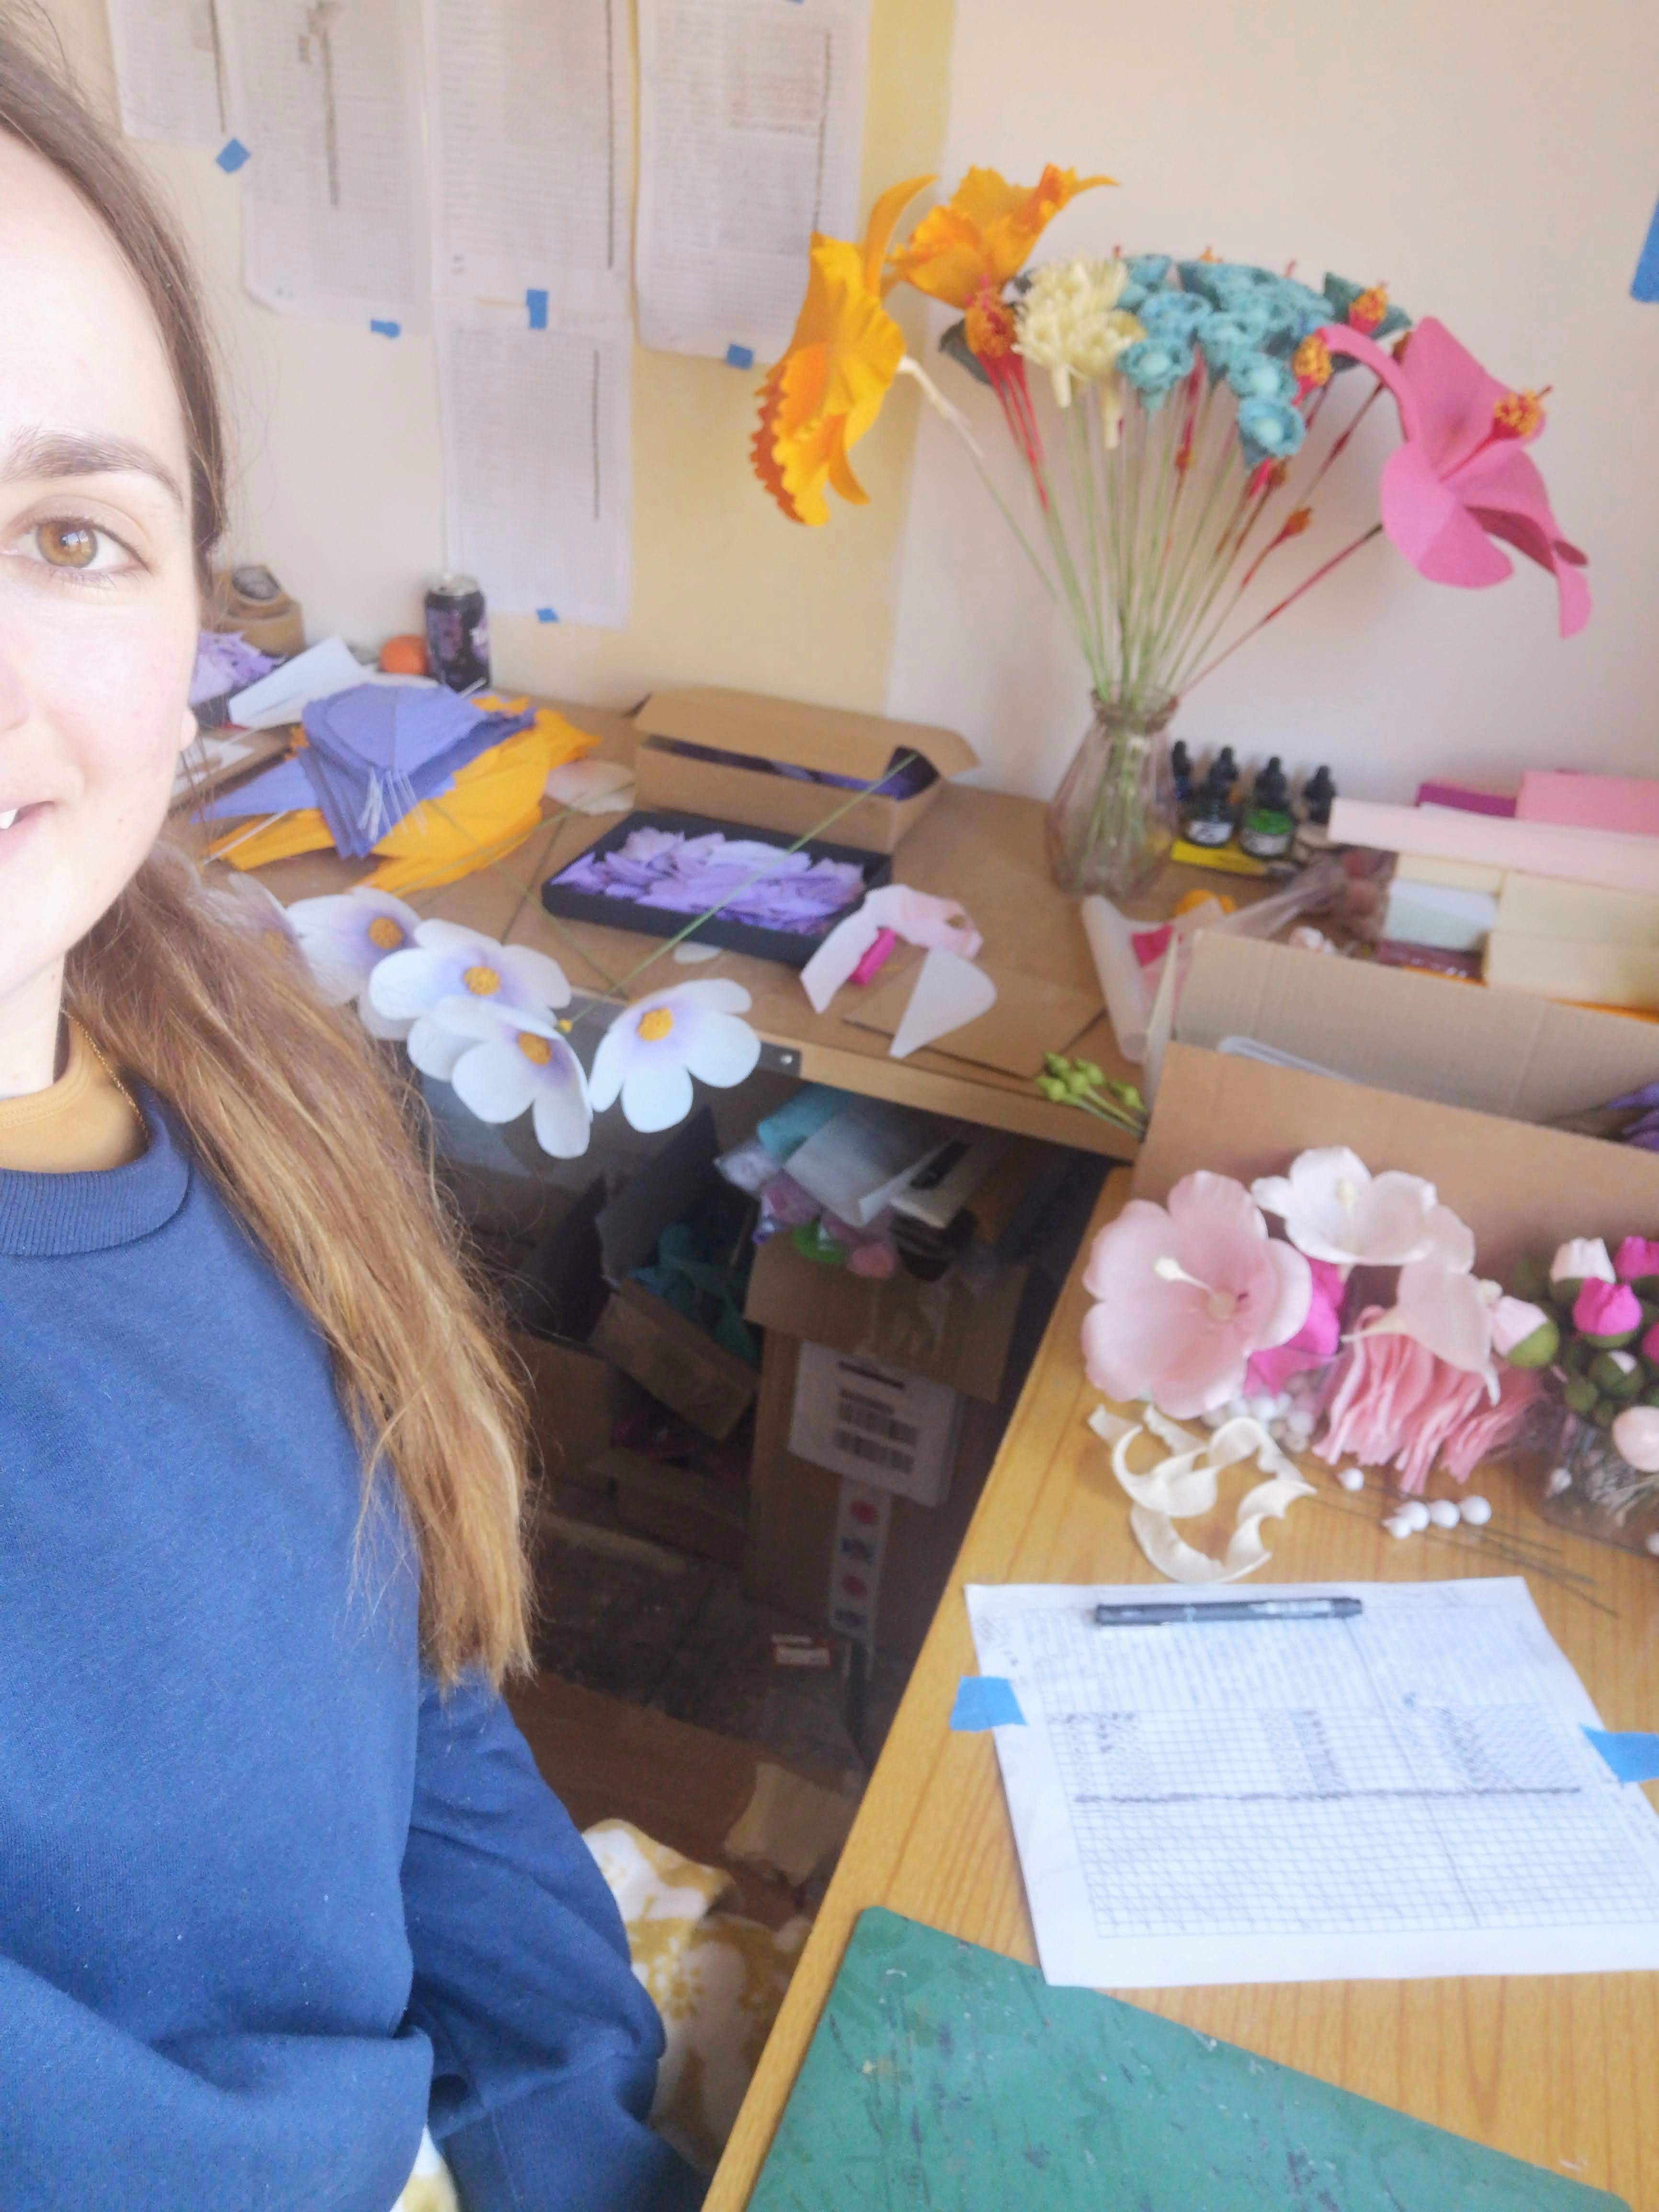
{"type": "Point", "coordinates": [1183, 1485]}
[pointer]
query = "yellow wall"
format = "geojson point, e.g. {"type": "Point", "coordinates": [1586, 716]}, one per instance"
{"type": "Point", "coordinates": [341, 492]}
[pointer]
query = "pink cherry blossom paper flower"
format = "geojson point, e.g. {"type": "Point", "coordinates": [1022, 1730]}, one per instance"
{"type": "Point", "coordinates": [1187, 1294]}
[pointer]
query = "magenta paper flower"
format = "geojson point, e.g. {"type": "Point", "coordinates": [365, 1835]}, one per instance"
{"type": "Point", "coordinates": [1636, 1258]}
{"type": "Point", "coordinates": [1606, 1309]}
{"type": "Point", "coordinates": [1462, 477]}
{"type": "Point", "coordinates": [1314, 1343]}
{"type": "Point", "coordinates": [1186, 1295]}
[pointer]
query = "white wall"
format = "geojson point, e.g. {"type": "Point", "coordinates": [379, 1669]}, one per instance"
{"type": "Point", "coordinates": [1496, 163]}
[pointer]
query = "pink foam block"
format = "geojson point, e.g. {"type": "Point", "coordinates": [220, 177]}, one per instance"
{"type": "Point", "coordinates": [1627, 803]}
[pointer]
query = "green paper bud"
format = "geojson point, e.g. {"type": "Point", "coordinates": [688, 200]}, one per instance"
{"type": "Point", "coordinates": [1577, 1357]}
{"type": "Point", "coordinates": [1580, 1394]}
{"type": "Point", "coordinates": [1616, 1375]}
{"type": "Point", "coordinates": [1537, 1349]}
{"type": "Point", "coordinates": [1613, 1343]}
{"type": "Point", "coordinates": [1606, 1411]}
{"type": "Point", "coordinates": [1089, 1072]}
{"type": "Point", "coordinates": [1565, 1289]}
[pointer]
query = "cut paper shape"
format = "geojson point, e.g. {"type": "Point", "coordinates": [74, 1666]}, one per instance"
{"type": "Point", "coordinates": [938, 925]}
{"type": "Point", "coordinates": [383, 329]}
{"type": "Point", "coordinates": [232, 155]}
{"type": "Point", "coordinates": [1644, 285]}
{"type": "Point", "coordinates": [547, 614]}
{"type": "Point", "coordinates": [535, 300]}
{"type": "Point", "coordinates": [316, 673]}
{"type": "Point", "coordinates": [593, 787]}
{"type": "Point", "coordinates": [950, 993]}
{"type": "Point", "coordinates": [1183, 1486]}
{"type": "Point", "coordinates": [739, 356]}
{"type": "Point", "coordinates": [1032, 1017]}
{"type": "Point", "coordinates": [985, 1701]}
{"type": "Point", "coordinates": [1632, 1755]}
{"type": "Point", "coordinates": [693, 955]}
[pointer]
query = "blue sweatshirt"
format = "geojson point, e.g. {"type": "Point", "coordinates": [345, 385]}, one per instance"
{"type": "Point", "coordinates": [267, 1900]}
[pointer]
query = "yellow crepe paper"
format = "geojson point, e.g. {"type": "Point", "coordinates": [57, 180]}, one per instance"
{"type": "Point", "coordinates": [984, 232]}
{"type": "Point", "coordinates": [495, 805]}
{"type": "Point", "coordinates": [827, 390]}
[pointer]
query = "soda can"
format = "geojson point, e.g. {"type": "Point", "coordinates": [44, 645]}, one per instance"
{"type": "Point", "coordinates": [458, 633]}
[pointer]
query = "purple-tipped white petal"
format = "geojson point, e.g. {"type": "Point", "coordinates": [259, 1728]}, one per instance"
{"type": "Point", "coordinates": [535, 976]}
{"type": "Point", "coordinates": [721, 1050]}
{"type": "Point", "coordinates": [656, 1095]}
{"type": "Point", "coordinates": [562, 1116]}
{"type": "Point", "coordinates": [386, 1026]}
{"type": "Point", "coordinates": [494, 1080]}
{"type": "Point", "coordinates": [489, 1017]}
{"type": "Point", "coordinates": [435, 1049]}
{"type": "Point", "coordinates": [409, 984]}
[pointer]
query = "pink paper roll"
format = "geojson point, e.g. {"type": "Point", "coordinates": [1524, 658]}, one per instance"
{"type": "Point", "coordinates": [1616, 863]}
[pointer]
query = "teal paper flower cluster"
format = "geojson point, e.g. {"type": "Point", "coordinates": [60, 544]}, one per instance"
{"type": "Point", "coordinates": [1250, 326]}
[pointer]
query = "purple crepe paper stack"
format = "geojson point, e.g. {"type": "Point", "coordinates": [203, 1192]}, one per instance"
{"type": "Point", "coordinates": [665, 869]}
{"type": "Point", "coordinates": [374, 753]}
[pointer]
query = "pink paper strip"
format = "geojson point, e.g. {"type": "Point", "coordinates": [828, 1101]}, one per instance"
{"type": "Point", "coordinates": [1466, 801]}
{"type": "Point", "coordinates": [1532, 848]}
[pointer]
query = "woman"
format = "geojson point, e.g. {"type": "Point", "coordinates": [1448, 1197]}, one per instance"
{"type": "Point", "coordinates": [278, 1880]}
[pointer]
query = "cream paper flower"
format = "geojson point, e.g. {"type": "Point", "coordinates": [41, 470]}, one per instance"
{"type": "Point", "coordinates": [1069, 322]}
{"type": "Point", "coordinates": [505, 1061]}
{"type": "Point", "coordinates": [448, 961]}
{"type": "Point", "coordinates": [345, 937]}
{"type": "Point", "coordinates": [1335, 1208]}
{"type": "Point", "coordinates": [654, 1046]}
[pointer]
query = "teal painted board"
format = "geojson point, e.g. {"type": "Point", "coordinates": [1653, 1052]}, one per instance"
{"type": "Point", "coordinates": [948, 2077]}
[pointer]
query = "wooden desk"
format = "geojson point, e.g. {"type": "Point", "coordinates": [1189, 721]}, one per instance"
{"type": "Point", "coordinates": [980, 847]}
{"type": "Point", "coordinates": [1563, 2070]}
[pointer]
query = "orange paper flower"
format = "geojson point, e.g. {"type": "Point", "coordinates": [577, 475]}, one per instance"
{"type": "Point", "coordinates": [984, 232]}
{"type": "Point", "coordinates": [828, 389]}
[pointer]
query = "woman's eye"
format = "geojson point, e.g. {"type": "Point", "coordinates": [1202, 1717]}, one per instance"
{"type": "Point", "coordinates": [72, 544]}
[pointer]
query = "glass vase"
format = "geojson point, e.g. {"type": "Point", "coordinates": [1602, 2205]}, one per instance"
{"type": "Point", "coordinates": [1113, 819]}
{"type": "Point", "coordinates": [1586, 1486]}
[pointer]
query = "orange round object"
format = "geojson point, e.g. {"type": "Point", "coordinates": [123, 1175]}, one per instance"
{"type": "Point", "coordinates": [1188, 900]}
{"type": "Point", "coordinates": [403, 656]}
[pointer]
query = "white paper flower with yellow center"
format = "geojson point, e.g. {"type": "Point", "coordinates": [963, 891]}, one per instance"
{"type": "Point", "coordinates": [651, 1050]}
{"type": "Point", "coordinates": [508, 1061]}
{"type": "Point", "coordinates": [344, 939]}
{"type": "Point", "coordinates": [447, 962]}
{"type": "Point", "coordinates": [1069, 323]}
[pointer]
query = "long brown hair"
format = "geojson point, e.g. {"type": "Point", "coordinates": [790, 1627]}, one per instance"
{"type": "Point", "coordinates": [284, 1098]}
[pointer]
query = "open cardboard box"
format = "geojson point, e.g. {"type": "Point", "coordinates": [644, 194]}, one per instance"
{"type": "Point", "coordinates": [831, 740]}
{"type": "Point", "coordinates": [1521, 1189]}
{"type": "Point", "coordinates": [1498, 1052]}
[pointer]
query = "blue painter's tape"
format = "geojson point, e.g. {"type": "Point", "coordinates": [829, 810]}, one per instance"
{"type": "Point", "coordinates": [739, 357]}
{"type": "Point", "coordinates": [231, 156]}
{"type": "Point", "coordinates": [536, 299]}
{"type": "Point", "coordinates": [387, 330]}
{"type": "Point", "coordinates": [1645, 283]}
{"type": "Point", "coordinates": [986, 1701]}
{"type": "Point", "coordinates": [1632, 1756]}
{"type": "Point", "coordinates": [546, 614]}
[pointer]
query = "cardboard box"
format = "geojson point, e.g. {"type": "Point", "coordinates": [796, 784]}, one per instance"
{"type": "Point", "coordinates": [896, 1432]}
{"type": "Point", "coordinates": [1523, 1190]}
{"type": "Point", "coordinates": [1496, 1052]}
{"type": "Point", "coordinates": [674, 1360]}
{"type": "Point", "coordinates": [677, 1505]}
{"type": "Point", "coordinates": [956, 1331]}
{"type": "Point", "coordinates": [576, 1400]}
{"type": "Point", "coordinates": [830, 740]}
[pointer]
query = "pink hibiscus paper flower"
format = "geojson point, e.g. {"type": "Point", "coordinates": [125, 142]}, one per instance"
{"type": "Point", "coordinates": [1462, 477]}
{"type": "Point", "coordinates": [1187, 1294]}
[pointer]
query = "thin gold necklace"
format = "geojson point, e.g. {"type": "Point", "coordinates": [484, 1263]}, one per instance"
{"type": "Point", "coordinates": [98, 1055]}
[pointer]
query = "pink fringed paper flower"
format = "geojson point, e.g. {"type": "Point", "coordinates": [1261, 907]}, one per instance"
{"type": "Point", "coordinates": [1314, 1343]}
{"type": "Point", "coordinates": [1395, 1404]}
{"type": "Point", "coordinates": [1186, 1295]}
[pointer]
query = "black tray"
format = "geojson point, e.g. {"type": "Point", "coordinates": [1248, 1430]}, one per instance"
{"type": "Point", "coordinates": [791, 948]}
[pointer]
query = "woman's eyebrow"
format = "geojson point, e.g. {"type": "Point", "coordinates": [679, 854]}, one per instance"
{"type": "Point", "coordinates": [74, 453]}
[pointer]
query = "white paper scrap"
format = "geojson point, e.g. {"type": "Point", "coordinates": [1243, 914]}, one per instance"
{"type": "Point", "coordinates": [950, 993]}
{"type": "Point", "coordinates": [317, 673]}
{"type": "Point", "coordinates": [168, 72]}
{"type": "Point", "coordinates": [537, 499]}
{"type": "Point", "coordinates": [1406, 1794]}
{"type": "Point", "coordinates": [751, 132]}
{"type": "Point", "coordinates": [334, 219]}
{"type": "Point", "coordinates": [530, 113]}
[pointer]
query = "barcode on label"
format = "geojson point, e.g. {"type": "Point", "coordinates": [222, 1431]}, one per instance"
{"type": "Point", "coordinates": [872, 1453]}
{"type": "Point", "coordinates": [876, 1417]}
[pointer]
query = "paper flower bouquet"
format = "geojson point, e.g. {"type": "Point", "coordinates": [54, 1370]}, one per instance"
{"type": "Point", "coordinates": [1363, 1333]}
{"type": "Point", "coordinates": [1189, 416]}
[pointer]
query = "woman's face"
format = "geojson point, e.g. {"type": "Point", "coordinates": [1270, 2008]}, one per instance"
{"type": "Point", "coordinates": [98, 600]}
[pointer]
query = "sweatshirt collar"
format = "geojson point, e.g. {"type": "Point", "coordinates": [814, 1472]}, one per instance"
{"type": "Point", "coordinates": [46, 1217]}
